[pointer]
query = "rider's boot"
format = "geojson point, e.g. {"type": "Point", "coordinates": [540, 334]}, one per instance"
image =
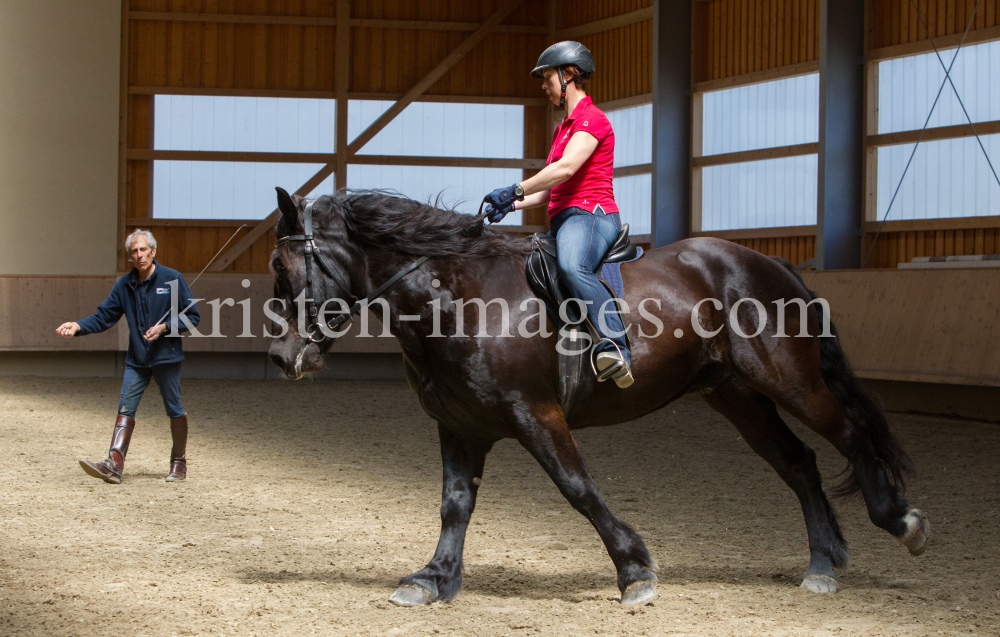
{"type": "Point", "coordinates": [110, 470]}
{"type": "Point", "coordinates": [178, 457]}
{"type": "Point", "coordinates": [611, 364]}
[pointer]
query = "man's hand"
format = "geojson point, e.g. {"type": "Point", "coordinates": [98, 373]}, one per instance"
{"type": "Point", "coordinates": [68, 329]}
{"type": "Point", "coordinates": [155, 332]}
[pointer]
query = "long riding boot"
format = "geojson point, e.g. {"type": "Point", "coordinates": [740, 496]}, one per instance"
{"type": "Point", "coordinates": [178, 459]}
{"type": "Point", "coordinates": [110, 470]}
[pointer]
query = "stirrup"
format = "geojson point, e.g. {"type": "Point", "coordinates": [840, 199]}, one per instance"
{"type": "Point", "coordinates": [612, 365]}
{"type": "Point", "coordinates": [608, 365]}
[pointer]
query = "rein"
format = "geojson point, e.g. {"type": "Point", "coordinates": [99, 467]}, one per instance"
{"type": "Point", "coordinates": [310, 253]}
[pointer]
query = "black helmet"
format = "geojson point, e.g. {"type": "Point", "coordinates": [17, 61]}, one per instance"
{"type": "Point", "coordinates": [562, 54]}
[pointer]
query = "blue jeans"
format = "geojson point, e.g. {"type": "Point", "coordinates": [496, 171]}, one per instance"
{"type": "Point", "coordinates": [582, 240]}
{"type": "Point", "coordinates": [168, 379]}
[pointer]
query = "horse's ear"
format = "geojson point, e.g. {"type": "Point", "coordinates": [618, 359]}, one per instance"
{"type": "Point", "coordinates": [287, 206]}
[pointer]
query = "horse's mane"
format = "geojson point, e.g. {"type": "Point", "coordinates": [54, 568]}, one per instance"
{"type": "Point", "coordinates": [381, 218]}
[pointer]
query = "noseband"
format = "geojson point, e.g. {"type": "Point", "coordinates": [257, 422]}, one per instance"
{"type": "Point", "coordinates": [312, 253]}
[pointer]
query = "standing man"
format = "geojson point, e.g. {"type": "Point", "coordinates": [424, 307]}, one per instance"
{"type": "Point", "coordinates": [143, 296]}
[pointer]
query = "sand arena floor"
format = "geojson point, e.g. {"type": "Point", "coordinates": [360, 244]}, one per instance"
{"type": "Point", "coordinates": [307, 501]}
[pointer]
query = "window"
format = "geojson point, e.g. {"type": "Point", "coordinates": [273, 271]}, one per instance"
{"type": "Point", "coordinates": [217, 188]}
{"type": "Point", "coordinates": [634, 147]}
{"type": "Point", "coordinates": [755, 189]}
{"type": "Point", "coordinates": [427, 129]}
{"type": "Point", "coordinates": [760, 194]}
{"type": "Point", "coordinates": [192, 189]}
{"type": "Point", "coordinates": [947, 177]}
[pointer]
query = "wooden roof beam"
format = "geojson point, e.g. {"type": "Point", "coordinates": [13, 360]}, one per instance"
{"type": "Point", "coordinates": [605, 25]}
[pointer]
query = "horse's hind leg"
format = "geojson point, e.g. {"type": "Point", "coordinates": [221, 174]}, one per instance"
{"type": "Point", "coordinates": [860, 434]}
{"type": "Point", "coordinates": [554, 448]}
{"type": "Point", "coordinates": [441, 579]}
{"type": "Point", "coordinates": [757, 420]}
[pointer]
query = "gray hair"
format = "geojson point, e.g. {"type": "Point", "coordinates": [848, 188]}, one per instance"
{"type": "Point", "coordinates": [150, 239]}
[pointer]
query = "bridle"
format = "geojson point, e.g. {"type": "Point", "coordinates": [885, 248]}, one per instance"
{"type": "Point", "coordinates": [312, 253]}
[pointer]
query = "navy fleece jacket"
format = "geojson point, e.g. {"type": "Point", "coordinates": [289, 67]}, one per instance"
{"type": "Point", "coordinates": [143, 303]}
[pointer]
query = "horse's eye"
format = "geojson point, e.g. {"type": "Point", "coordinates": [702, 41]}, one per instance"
{"type": "Point", "coordinates": [278, 265]}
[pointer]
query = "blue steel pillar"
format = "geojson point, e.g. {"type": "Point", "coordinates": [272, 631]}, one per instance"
{"type": "Point", "coordinates": [671, 121]}
{"type": "Point", "coordinates": [839, 214]}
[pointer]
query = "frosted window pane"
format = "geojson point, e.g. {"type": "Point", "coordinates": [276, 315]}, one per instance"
{"type": "Point", "coordinates": [760, 194]}
{"type": "Point", "coordinates": [459, 188]}
{"type": "Point", "coordinates": [633, 135]}
{"type": "Point", "coordinates": [634, 196]}
{"type": "Point", "coordinates": [245, 124]}
{"type": "Point", "coordinates": [779, 113]}
{"type": "Point", "coordinates": [908, 86]}
{"type": "Point", "coordinates": [226, 190]}
{"type": "Point", "coordinates": [441, 130]}
{"type": "Point", "coordinates": [948, 178]}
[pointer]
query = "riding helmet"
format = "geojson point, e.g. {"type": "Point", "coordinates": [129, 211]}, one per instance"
{"type": "Point", "coordinates": [567, 53]}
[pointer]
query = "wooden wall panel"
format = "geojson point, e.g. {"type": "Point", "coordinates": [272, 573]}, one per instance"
{"type": "Point", "coordinates": [138, 177]}
{"type": "Point", "coordinates": [577, 12]}
{"type": "Point", "coordinates": [794, 249]}
{"type": "Point", "coordinates": [745, 36]}
{"type": "Point", "coordinates": [893, 248]}
{"type": "Point", "coordinates": [31, 308]}
{"type": "Point", "coordinates": [624, 61]}
{"type": "Point", "coordinates": [219, 55]}
{"type": "Point", "coordinates": [936, 326]}
{"type": "Point", "coordinates": [189, 248]}
{"type": "Point", "coordinates": [895, 21]}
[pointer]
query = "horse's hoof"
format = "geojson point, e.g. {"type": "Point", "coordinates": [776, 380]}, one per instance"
{"type": "Point", "coordinates": [821, 584]}
{"type": "Point", "coordinates": [918, 530]}
{"type": "Point", "coordinates": [639, 593]}
{"type": "Point", "coordinates": [412, 595]}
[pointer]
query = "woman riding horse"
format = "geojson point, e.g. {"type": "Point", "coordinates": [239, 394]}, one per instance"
{"type": "Point", "coordinates": [699, 333]}
{"type": "Point", "coordinates": [576, 184]}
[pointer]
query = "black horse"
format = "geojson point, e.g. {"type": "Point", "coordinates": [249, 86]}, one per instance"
{"type": "Point", "coordinates": [481, 389]}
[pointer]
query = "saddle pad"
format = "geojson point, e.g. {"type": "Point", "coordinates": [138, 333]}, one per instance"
{"type": "Point", "coordinates": [612, 273]}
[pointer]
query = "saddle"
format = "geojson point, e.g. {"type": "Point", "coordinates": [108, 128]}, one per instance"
{"type": "Point", "coordinates": [542, 271]}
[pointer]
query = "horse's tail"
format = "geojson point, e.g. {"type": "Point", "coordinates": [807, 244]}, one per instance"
{"type": "Point", "coordinates": [864, 410]}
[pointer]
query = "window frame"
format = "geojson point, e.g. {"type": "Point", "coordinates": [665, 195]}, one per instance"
{"type": "Point", "coordinates": [325, 158]}
{"type": "Point", "coordinates": [874, 140]}
{"type": "Point", "coordinates": [699, 160]}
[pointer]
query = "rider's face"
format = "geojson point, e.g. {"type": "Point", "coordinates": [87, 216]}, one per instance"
{"type": "Point", "coordinates": [551, 85]}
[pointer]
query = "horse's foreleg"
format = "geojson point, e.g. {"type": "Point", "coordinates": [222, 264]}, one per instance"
{"type": "Point", "coordinates": [441, 579]}
{"type": "Point", "coordinates": [757, 420]}
{"type": "Point", "coordinates": [554, 448]}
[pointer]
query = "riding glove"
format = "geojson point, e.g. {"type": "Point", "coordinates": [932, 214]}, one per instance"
{"type": "Point", "coordinates": [503, 197]}
{"type": "Point", "coordinates": [495, 215]}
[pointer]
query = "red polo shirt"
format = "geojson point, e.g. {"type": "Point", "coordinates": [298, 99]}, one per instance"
{"type": "Point", "coordinates": [592, 184]}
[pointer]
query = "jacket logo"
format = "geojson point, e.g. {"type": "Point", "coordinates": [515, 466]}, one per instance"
{"type": "Point", "coordinates": [163, 290]}
{"type": "Point", "coordinates": [586, 123]}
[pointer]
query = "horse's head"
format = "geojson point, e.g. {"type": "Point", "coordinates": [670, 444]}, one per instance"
{"type": "Point", "coordinates": [315, 273]}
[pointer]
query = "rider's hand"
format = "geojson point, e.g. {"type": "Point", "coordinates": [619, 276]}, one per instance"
{"type": "Point", "coordinates": [155, 332]}
{"type": "Point", "coordinates": [68, 329]}
{"type": "Point", "coordinates": [502, 197]}
{"type": "Point", "coordinates": [495, 215]}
